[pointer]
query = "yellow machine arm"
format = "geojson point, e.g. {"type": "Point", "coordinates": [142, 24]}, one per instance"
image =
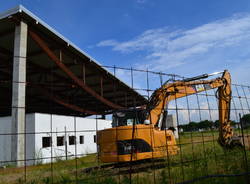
{"type": "Point", "coordinates": [170, 91]}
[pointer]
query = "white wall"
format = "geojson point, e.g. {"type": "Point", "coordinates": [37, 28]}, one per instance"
{"type": "Point", "coordinates": [44, 125]}
{"type": "Point", "coordinates": [55, 126]}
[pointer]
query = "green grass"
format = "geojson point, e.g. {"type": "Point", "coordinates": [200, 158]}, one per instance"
{"type": "Point", "coordinates": [200, 155]}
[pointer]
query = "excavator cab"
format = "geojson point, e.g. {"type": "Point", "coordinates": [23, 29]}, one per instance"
{"type": "Point", "coordinates": [128, 117]}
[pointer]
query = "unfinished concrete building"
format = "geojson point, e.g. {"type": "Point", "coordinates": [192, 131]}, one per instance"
{"type": "Point", "coordinates": [41, 71]}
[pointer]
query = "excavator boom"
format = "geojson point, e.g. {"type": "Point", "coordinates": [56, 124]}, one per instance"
{"type": "Point", "coordinates": [178, 89]}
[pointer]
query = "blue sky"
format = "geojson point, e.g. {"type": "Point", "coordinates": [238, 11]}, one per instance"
{"type": "Point", "coordinates": [183, 37]}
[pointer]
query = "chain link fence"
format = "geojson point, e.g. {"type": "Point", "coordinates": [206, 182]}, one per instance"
{"type": "Point", "coordinates": [66, 149]}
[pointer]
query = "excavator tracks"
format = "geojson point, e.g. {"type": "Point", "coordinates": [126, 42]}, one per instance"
{"type": "Point", "coordinates": [128, 167]}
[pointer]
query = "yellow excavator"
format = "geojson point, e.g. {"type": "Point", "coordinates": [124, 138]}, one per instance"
{"type": "Point", "coordinates": [139, 133]}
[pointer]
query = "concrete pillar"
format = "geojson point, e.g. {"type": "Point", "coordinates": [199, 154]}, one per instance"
{"type": "Point", "coordinates": [18, 94]}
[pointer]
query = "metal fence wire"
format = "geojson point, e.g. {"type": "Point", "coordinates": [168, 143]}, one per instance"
{"type": "Point", "coordinates": [123, 146]}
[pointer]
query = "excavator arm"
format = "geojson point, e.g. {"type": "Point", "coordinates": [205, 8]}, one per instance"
{"type": "Point", "coordinates": [178, 89]}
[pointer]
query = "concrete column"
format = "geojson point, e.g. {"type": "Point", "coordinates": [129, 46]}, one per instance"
{"type": "Point", "coordinates": [18, 94]}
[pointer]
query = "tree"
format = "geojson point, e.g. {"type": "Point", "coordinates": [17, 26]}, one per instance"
{"type": "Point", "coordinates": [192, 126]}
{"type": "Point", "coordinates": [205, 124]}
{"type": "Point", "coordinates": [245, 120]}
{"type": "Point", "coordinates": [216, 124]}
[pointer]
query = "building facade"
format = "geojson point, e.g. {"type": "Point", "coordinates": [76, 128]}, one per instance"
{"type": "Point", "coordinates": [52, 137]}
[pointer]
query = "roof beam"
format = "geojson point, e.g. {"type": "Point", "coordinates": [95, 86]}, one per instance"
{"type": "Point", "coordinates": [45, 70]}
{"type": "Point", "coordinates": [79, 82]}
{"type": "Point", "coordinates": [39, 52]}
{"type": "Point", "coordinates": [48, 70]}
{"type": "Point", "coordinates": [60, 101]}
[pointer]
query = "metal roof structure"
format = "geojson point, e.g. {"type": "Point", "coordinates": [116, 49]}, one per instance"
{"type": "Point", "coordinates": [61, 78]}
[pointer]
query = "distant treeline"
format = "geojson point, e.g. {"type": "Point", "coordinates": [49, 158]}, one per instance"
{"type": "Point", "coordinates": [208, 125]}
{"type": "Point", "coordinates": [202, 125]}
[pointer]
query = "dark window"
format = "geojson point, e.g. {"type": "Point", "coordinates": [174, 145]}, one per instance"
{"type": "Point", "coordinates": [46, 141]}
{"type": "Point", "coordinates": [95, 138]}
{"type": "Point", "coordinates": [60, 141]}
{"type": "Point", "coordinates": [128, 117]}
{"type": "Point", "coordinates": [81, 139]}
{"type": "Point", "coordinates": [72, 140]}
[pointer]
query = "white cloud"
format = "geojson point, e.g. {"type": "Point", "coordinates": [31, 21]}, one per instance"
{"type": "Point", "coordinates": [165, 49]}
{"type": "Point", "coordinates": [223, 44]}
{"type": "Point", "coordinates": [150, 40]}
{"type": "Point", "coordinates": [107, 43]}
{"type": "Point", "coordinates": [242, 67]}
